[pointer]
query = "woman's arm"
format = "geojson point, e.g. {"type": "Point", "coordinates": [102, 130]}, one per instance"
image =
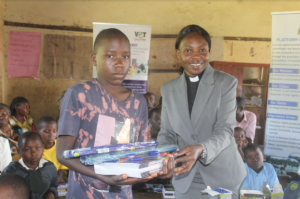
{"type": "Point", "coordinates": [67, 143]}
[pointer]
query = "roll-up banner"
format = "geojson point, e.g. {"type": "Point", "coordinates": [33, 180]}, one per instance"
{"type": "Point", "coordinates": [139, 37]}
{"type": "Point", "coordinates": [282, 141]}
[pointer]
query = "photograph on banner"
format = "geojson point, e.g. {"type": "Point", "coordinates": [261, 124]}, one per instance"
{"type": "Point", "coordinates": [283, 111]}
{"type": "Point", "coordinates": [286, 166]}
{"type": "Point", "coordinates": [139, 37]}
{"type": "Point", "coordinates": [138, 69]}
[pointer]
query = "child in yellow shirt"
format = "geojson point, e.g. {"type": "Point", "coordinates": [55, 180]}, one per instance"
{"type": "Point", "coordinates": [47, 128]}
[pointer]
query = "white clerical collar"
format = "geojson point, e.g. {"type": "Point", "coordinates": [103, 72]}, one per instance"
{"type": "Point", "coordinates": [41, 163]}
{"type": "Point", "coordinates": [194, 79]}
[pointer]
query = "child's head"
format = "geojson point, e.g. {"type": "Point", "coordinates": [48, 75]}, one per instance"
{"type": "Point", "coordinates": [4, 114]}
{"type": "Point", "coordinates": [151, 101]}
{"type": "Point", "coordinates": [13, 186]}
{"type": "Point", "coordinates": [254, 157]}
{"type": "Point", "coordinates": [154, 118]}
{"type": "Point", "coordinates": [240, 106]}
{"type": "Point", "coordinates": [30, 148]}
{"type": "Point", "coordinates": [111, 55]}
{"type": "Point", "coordinates": [20, 105]}
{"type": "Point", "coordinates": [47, 128]}
{"type": "Point", "coordinates": [239, 134]}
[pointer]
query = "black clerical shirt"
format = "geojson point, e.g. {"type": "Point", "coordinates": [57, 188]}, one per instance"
{"type": "Point", "coordinates": [192, 88]}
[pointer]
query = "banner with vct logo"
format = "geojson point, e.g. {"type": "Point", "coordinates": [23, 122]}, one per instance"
{"type": "Point", "coordinates": [282, 140]}
{"type": "Point", "coordinates": [139, 37]}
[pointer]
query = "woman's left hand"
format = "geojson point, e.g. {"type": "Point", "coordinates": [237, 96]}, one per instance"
{"type": "Point", "coordinates": [191, 153]}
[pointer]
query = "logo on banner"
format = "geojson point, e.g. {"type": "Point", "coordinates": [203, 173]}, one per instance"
{"type": "Point", "coordinates": [140, 35]}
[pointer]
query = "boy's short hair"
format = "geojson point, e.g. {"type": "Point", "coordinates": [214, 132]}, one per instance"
{"type": "Point", "coordinates": [19, 186]}
{"type": "Point", "coordinates": [149, 94]}
{"type": "Point", "coordinates": [252, 147]}
{"type": "Point", "coordinates": [44, 119]}
{"type": "Point", "coordinates": [240, 129]}
{"type": "Point", "coordinates": [152, 111]}
{"type": "Point", "coordinates": [240, 102]}
{"type": "Point", "coordinates": [107, 33]}
{"type": "Point", "coordinates": [28, 135]}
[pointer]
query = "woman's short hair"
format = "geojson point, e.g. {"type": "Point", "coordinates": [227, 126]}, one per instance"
{"type": "Point", "coordinates": [191, 29]}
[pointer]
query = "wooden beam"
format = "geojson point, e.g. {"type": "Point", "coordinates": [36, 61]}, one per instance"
{"type": "Point", "coordinates": [247, 39]}
{"type": "Point", "coordinates": [163, 71]}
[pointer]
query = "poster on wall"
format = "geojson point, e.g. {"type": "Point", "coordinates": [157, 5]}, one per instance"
{"type": "Point", "coordinates": [23, 54]}
{"type": "Point", "coordinates": [139, 37]}
{"type": "Point", "coordinates": [282, 141]}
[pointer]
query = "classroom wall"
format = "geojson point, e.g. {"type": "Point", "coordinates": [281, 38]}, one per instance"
{"type": "Point", "coordinates": [240, 18]}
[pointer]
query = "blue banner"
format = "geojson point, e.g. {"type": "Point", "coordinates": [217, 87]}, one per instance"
{"type": "Point", "coordinates": [283, 117]}
{"type": "Point", "coordinates": [284, 86]}
{"type": "Point", "coordinates": [284, 70]}
{"type": "Point", "coordinates": [282, 103]}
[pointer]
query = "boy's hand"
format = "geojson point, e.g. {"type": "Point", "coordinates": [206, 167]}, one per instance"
{"type": "Point", "coordinates": [50, 195]}
{"type": "Point", "coordinates": [192, 153]}
{"type": "Point", "coordinates": [168, 168]}
{"type": "Point", "coordinates": [239, 143]}
{"type": "Point", "coordinates": [124, 180]}
{"type": "Point", "coordinates": [245, 143]}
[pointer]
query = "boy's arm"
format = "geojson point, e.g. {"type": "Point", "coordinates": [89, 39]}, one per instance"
{"type": "Point", "coordinates": [272, 178]}
{"type": "Point", "coordinates": [52, 191]}
{"type": "Point", "coordinates": [60, 174]}
{"type": "Point", "coordinates": [67, 143]}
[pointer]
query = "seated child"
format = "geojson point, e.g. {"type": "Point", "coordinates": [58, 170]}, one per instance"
{"type": "Point", "coordinates": [47, 128]}
{"type": "Point", "coordinates": [257, 170]}
{"type": "Point", "coordinates": [13, 186]}
{"type": "Point", "coordinates": [150, 99]}
{"type": "Point", "coordinates": [154, 122]}
{"type": "Point", "coordinates": [6, 130]}
{"type": "Point", "coordinates": [39, 173]}
{"type": "Point", "coordinates": [20, 119]}
{"type": "Point", "coordinates": [5, 155]}
{"type": "Point", "coordinates": [240, 139]}
{"type": "Point", "coordinates": [100, 112]}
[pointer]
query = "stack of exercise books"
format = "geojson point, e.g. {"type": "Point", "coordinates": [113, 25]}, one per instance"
{"type": "Point", "coordinates": [62, 189]}
{"type": "Point", "coordinates": [139, 160]}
